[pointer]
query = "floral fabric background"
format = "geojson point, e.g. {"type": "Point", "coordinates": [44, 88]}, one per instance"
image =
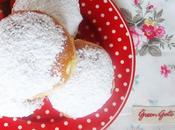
{"type": "Point", "coordinates": [152, 25]}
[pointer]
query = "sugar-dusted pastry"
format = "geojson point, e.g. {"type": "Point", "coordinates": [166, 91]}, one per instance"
{"type": "Point", "coordinates": [66, 11]}
{"type": "Point", "coordinates": [90, 86]}
{"type": "Point", "coordinates": [36, 54]}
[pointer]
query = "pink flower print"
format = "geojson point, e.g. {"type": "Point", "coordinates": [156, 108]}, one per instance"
{"type": "Point", "coordinates": [160, 31]}
{"type": "Point", "coordinates": [135, 35]}
{"type": "Point", "coordinates": [136, 2]}
{"type": "Point", "coordinates": [150, 7]}
{"type": "Point", "coordinates": [149, 31]}
{"type": "Point", "coordinates": [165, 71]}
{"type": "Point", "coordinates": [138, 36]}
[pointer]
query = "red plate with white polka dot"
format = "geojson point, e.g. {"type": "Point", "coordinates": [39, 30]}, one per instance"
{"type": "Point", "coordinates": [104, 25]}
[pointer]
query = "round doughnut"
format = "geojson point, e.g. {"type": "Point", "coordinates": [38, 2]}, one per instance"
{"type": "Point", "coordinates": [90, 86]}
{"type": "Point", "coordinates": [36, 54]}
{"type": "Point", "coordinates": [66, 11]}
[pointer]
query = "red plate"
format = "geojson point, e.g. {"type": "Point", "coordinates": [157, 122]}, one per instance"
{"type": "Point", "coordinates": [102, 24]}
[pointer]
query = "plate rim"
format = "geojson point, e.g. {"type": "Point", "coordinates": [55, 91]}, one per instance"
{"type": "Point", "coordinates": [117, 113]}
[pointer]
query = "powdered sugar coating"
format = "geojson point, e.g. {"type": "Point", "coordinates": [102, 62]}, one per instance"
{"type": "Point", "coordinates": [89, 88]}
{"type": "Point", "coordinates": [29, 43]}
{"type": "Point", "coordinates": [66, 11]}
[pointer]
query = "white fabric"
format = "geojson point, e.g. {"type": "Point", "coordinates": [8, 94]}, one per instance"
{"type": "Point", "coordinates": [151, 88]}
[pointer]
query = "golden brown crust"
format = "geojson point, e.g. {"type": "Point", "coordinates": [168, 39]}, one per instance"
{"type": "Point", "coordinates": [79, 44]}
{"type": "Point", "coordinates": [67, 59]}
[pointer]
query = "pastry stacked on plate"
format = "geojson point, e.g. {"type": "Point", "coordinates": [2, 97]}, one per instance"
{"type": "Point", "coordinates": [39, 58]}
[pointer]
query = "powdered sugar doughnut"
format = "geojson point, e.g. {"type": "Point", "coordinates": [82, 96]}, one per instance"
{"type": "Point", "coordinates": [36, 53]}
{"type": "Point", "coordinates": [66, 11]}
{"type": "Point", "coordinates": [91, 85]}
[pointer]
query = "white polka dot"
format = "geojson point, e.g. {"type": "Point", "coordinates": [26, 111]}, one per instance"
{"type": "Point", "coordinates": [117, 53]}
{"type": "Point", "coordinates": [97, 6]}
{"type": "Point", "coordinates": [33, 129]}
{"type": "Point", "coordinates": [121, 26]}
{"type": "Point", "coordinates": [20, 127]}
{"type": "Point", "coordinates": [114, 104]}
{"type": "Point", "coordinates": [42, 104]}
{"type": "Point", "coordinates": [87, 27]}
{"type": "Point", "coordinates": [102, 15]}
{"type": "Point", "coordinates": [113, 31]}
{"type": "Point", "coordinates": [125, 48]}
{"type": "Point", "coordinates": [92, 35]}
{"type": "Point", "coordinates": [110, 9]}
{"type": "Point", "coordinates": [94, 21]}
{"type": "Point", "coordinates": [111, 45]}
{"type": "Point", "coordinates": [106, 110]}
{"type": "Point", "coordinates": [108, 23]}
{"type": "Point", "coordinates": [102, 123]}
{"type": "Point", "coordinates": [74, 118]}
{"type": "Point", "coordinates": [119, 39]}
{"type": "Point", "coordinates": [66, 123]}
{"type": "Point", "coordinates": [61, 114]}
{"type": "Point", "coordinates": [56, 128]}
{"type": "Point", "coordinates": [43, 125]}
{"type": "Point", "coordinates": [47, 112]}
{"type": "Point", "coordinates": [125, 84]}
{"type": "Point", "coordinates": [80, 127]}
{"type": "Point", "coordinates": [114, 67]}
{"type": "Point", "coordinates": [83, 4]}
{"type": "Point", "coordinates": [127, 70]}
{"type": "Point", "coordinates": [105, 1]}
{"type": "Point", "coordinates": [111, 118]}
{"type": "Point", "coordinates": [89, 12]}
{"type": "Point", "coordinates": [88, 120]}
{"type": "Point", "coordinates": [99, 29]}
{"type": "Point", "coordinates": [117, 90]}
{"type": "Point", "coordinates": [130, 56]}
{"type": "Point", "coordinates": [115, 17]}
{"type": "Point", "coordinates": [29, 122]}
{"type": "Point", "coordinates": [97, 43]}
{"type": "Point", "coordinates": [94, 128]}
{"type": "Point", "coordinates": [79, 32]}
{"type": "Point", "coordinates": [127, 34]}
{"type": "Point", "coordinates": [122, 98]}
{"type": "Point", "coordinates": [39, 108]}
{"type": "Point", "coordinates": [38, 117]}
{"type": "Point", "coordinates": [119, 76]}
{"type": "Point", "coordinates": [97, 115]}
{"type": "Point", "coordinates": [6, 124]}
{"type": "Point", "coordinates": [105, 37]}
{"type": "Point", "coordinates": [14, 119]}
{"type": "Point", "coordinates": [52, 120]}
{"type": "Point", "coordinates": [122, 62]}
